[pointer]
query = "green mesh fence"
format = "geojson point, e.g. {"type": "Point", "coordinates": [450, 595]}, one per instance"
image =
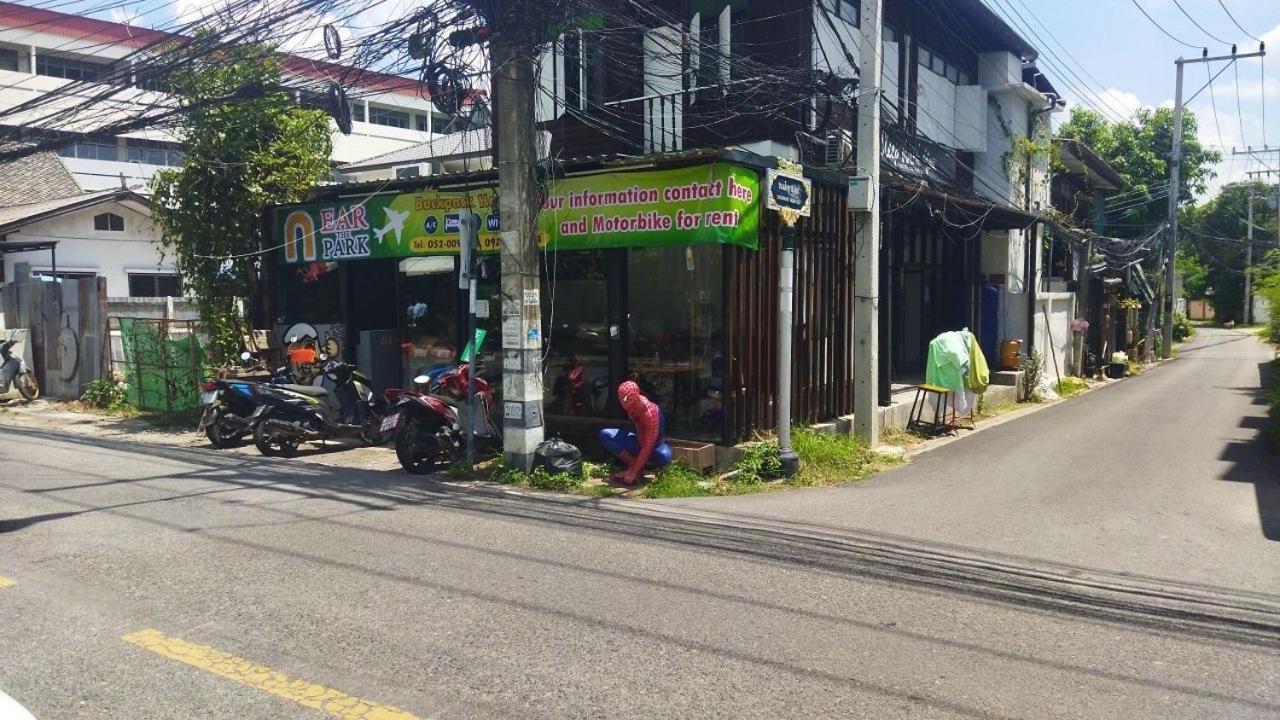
{"type": "Point", "coordinates": [163, 363]}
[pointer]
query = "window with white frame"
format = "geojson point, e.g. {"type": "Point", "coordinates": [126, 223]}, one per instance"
{"type": "Point", "coordinates": [939, 65]}
{"type": "Point", "coordinates": [846, 10]}
{"type": "Point", "coordinates": [102, 147]}
{"type": "Point", "coordinates": [155, 285]}
{"type": "Point", "coordinates": [149, 152]}
{"type": "Point", "coordinates": [388, 117]}
{"type": "Point", "coordinates": [69, 68]}
{"type": "Point", "coordinates": [8, 59]}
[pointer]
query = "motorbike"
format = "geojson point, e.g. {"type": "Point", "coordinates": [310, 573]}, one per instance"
{"type": "Point", "coordinates": [341, 406]}
{"type": "Point", "coordinates": [430, 427]}
{"type": "Point", "coordinates": [14, 373]}
{"type": "Point", "coordinates": [230, 403]}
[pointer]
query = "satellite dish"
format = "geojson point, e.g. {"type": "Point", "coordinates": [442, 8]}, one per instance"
{"type": "Point", "coordinates": [332, 42]}
{"type": "Point", "coordinates": [339, 108]}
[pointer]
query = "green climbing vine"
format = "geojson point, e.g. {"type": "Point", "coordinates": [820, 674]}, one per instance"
{"type": "Point", "coordinates": [1025, 152]}
{"type": "Point", "coordinates": [248, 145]}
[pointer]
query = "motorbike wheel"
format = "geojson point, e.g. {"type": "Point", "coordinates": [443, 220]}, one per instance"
{"type": "Point", "coordinates": [27, 386]}
{"type": "Point", "coordinates": [271, 444]}
{"type": "Point", "coordinates": [221, 435]}
{"type": "Point", "coordinates": [417, 450]}
{"type": "Point", "coordinates": [371, 431]}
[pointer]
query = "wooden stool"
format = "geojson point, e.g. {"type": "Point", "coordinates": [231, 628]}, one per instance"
{"type": "Point", "coordinates": [938, 425]}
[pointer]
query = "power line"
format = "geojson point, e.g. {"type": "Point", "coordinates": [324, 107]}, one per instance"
{"type": "Point", "coordinates": [1160, 27]}
{"type": "Point", "coordinates": [1197, 24]}
{"type": "Point", "coordinates": [1237, 22]}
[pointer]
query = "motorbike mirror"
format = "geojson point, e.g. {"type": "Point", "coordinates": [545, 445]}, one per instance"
{"type": "Point", "coordinates": [422, 380]}
{"type": "Point", "coordinates": [246, 356]}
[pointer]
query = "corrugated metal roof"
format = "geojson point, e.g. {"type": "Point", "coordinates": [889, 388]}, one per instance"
{"type": "Point", "coordinates": [469, 142]}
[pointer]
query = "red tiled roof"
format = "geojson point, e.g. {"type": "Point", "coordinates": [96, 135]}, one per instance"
{"type": "Point", "coordinates": [75, 26]}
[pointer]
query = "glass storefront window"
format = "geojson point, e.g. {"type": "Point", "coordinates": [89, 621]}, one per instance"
{"type": "Point", "coordinates": [676, 334]}
{"type": "Point", "coordinates": [574, 301]}
{"type": "Point", "coordinates": [310, 293]}
{"type": "Point", "coordinates": [428, 313]}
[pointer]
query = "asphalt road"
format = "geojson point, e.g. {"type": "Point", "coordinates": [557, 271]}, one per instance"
{"type": "Point", "coordinates": [1115, 556]}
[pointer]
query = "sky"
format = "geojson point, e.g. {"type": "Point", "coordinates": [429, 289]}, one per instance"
{"type": "Point", "coordinates": [1106, 55]}
{"type": "Point", "coordinates": [1102, 54]}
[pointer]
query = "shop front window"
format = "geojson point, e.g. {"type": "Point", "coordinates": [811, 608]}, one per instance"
{"type": "Point", "coordinates": [429, 313]}
{"type": "Point", "coordinates": [676, 334]}
{"type": "Point", "coordinates": [309, 293]}
{"type": "Point", "coordinates": [574, 301]}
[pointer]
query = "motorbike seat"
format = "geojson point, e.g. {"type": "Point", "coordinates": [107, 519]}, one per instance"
{"type": "Point", "coordinates": [312, 390]}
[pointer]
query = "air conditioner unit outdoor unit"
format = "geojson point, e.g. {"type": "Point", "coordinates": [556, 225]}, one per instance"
{"type": "Point", "coordinates": [839, 148]}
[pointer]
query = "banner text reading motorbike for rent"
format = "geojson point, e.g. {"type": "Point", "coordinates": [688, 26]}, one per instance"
{"type": "Point", "coordinates": [716, 203]}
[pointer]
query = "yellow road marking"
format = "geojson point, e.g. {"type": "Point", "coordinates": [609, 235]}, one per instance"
{"type": "Point", "coordinates": [335, 703]}
{"type": "Point", "coordinates": [6, 582]}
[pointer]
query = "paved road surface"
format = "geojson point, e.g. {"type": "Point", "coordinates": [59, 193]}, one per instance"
{"type": "Point", "coordinates": [1115, 556]}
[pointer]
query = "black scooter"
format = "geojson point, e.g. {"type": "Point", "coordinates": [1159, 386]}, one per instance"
{"type": "Point", "coordinates": [230, 403]}
{"type": "Point", "coordinates": [342, 406]}
{"type": "Point", "coordinates": [14, 373]}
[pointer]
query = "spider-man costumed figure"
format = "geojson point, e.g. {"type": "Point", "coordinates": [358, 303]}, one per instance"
{"type": "Point", "coordinates": [644, 447]}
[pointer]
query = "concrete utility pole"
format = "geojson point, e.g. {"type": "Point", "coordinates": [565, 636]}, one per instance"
{"type": "Point", "coordinates": [1248, 279]}
{"type": "Point", "coordinates": [1269, 173]}
{"type": "Point", "coordinates": [866, 264]}
{"type": "Point", "coordinates": [1171, 247]}
{"type": "Point", "coordinates": [1175, 184]}
{"type": "Point", "coordinates": [513, 99]}
{"type": "Point", "coordinates": [1248, 266]}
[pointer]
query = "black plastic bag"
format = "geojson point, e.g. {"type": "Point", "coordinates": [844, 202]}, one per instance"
{"type": "Point", "coordinates": [557, 456]}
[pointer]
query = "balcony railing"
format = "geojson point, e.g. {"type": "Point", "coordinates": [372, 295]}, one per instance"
{"type": "Point", "coordinates": [917, 156]}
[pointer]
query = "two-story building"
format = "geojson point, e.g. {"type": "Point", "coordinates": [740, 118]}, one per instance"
{"type": "Point", "coordinates": [42, 51]}
{"type": "Point", "coordinates": [640, 114]}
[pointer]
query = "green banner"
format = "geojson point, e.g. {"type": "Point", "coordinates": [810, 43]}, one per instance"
{"type": "Point", "coordinates": [716, 203]}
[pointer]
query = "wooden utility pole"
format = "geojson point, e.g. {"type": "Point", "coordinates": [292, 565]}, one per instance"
{"type": "Point", "coordinates": [513, 100]}
{"type": "Point", "coordinates": [866, 264]}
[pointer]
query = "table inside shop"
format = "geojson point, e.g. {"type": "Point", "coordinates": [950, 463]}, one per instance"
{"type": "Point", "coordinates": [680, 375]}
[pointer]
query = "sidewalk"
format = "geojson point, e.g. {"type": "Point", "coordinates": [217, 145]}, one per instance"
{"type": "Point", "coordinates": [65, 417]}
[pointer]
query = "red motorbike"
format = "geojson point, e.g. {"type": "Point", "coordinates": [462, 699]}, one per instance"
{"type": "Point", "coordinates": [429, 427]}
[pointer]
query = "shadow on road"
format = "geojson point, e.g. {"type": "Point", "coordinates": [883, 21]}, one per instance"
{"type": "Point", "coordinates": [1155, 606]}
{"type": "Point", "coordinates": [1255, 460]}
{"type": "Point", "coordinates": [15, 524]}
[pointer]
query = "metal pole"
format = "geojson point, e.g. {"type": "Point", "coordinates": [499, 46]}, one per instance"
{"type": "Point", "coordinates": [786, 292]}
{"type": "Point", "coordinates": [468, 257]}
{"type": "Point", "coordinates": [1175, 172]}
{"type": "Point", "coordinates": [1248, 266]}
{"type": "Point", "coordinates": [514, 84]}
{"type": "Point", "coordinates": [866, 265]}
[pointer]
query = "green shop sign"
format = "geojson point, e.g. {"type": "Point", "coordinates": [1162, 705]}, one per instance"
{"type": "Point", "coordinates": [717, 203]}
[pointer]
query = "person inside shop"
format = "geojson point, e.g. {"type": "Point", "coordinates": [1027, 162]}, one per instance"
{"type": "Point", "coordinates": [640, 449]}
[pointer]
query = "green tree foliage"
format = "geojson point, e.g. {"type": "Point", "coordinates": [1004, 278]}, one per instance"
{"type": "Point", "coordinates": [1218, 226]}
{"type": "Point", "coordinates": [247, 146]}
{"type": "Point", "coordinates": [1139, 150]}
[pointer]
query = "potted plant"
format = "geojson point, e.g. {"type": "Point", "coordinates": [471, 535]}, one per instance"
{"type": "Point", "coordinates": [1118, 366]}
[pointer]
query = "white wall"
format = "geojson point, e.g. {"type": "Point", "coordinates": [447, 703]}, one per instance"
{"type": "Point", "coordinates": [112, 255]}
{"type": "Point", "coordinates": [1061, 307]}
{"type": "Point", "coordinates": [936, 111]}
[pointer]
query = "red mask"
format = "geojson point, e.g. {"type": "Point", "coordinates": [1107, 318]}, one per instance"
{"type": "Point", "coordinates": [629, 396]}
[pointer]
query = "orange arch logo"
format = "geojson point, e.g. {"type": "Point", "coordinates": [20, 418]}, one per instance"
{"type": "Point", "coordinates": [299, 237]}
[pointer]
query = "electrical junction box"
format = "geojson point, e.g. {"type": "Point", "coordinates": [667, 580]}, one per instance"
{"type": "Point", "coordinates": [859, 193]}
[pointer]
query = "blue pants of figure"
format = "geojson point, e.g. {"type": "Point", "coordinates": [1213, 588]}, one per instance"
{"type": "Point", "coordinates": [618, 441]}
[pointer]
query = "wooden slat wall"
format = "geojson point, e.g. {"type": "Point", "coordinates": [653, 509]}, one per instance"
{"type": "Point", "coordinates": [822, 348]}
